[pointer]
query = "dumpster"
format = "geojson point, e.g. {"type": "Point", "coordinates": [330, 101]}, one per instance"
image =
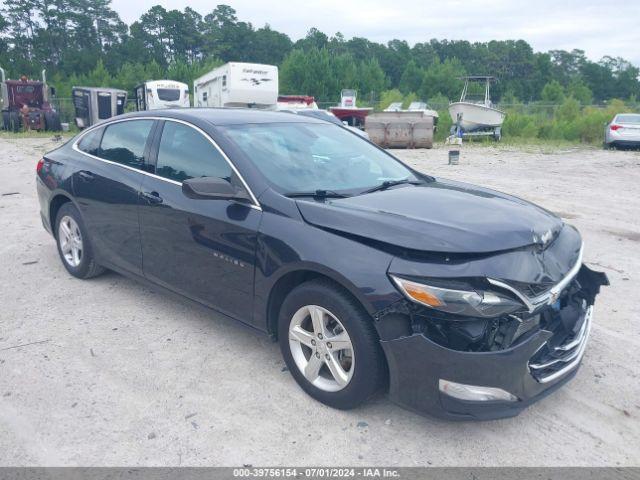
{"type": "Point", "coordinates": [400, 129]}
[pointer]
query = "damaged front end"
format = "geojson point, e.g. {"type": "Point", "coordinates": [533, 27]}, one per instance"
{"type": "Point", "coordinates": [523, 336]}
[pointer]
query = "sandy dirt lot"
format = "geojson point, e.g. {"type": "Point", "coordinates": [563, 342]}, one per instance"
{"type": "Point", "coordinates": [107, 372]}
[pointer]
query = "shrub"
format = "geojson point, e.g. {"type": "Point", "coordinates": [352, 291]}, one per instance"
{"type": "Point", "coordinates": [388, 97]}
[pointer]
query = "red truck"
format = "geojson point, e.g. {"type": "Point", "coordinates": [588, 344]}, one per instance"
{"type": "Point", "coordinates": [25, 105]}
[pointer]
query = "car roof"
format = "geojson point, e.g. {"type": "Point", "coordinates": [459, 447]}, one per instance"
{"type": "Point", "coordinates": [226, 116]}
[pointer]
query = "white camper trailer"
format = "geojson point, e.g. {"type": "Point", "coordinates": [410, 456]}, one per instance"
{"type": "Point", "coordinates": [238, 85]}
{"type": "Point", "coordinates": [157, 94]}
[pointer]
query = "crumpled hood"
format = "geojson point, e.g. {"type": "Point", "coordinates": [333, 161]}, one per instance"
{"type": "Point", "coordinates": [440, 216]}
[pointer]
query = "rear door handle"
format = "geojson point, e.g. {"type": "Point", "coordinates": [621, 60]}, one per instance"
{"type": "Point", "coordinates": [86, 176]}
{"type": "Point", "coordinates": [153, 198]}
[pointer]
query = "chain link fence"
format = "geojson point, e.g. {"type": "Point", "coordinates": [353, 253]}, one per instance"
{"type": "Point", "coordinates": [66, 110]}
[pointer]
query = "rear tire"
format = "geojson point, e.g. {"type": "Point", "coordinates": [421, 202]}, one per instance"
{"type": "Point", "coordinates": [349, 347]}
{"type": "Point", "coordinates": [15, 122]}
{"type": "Point", "coordinates": [52, 122]}
{"type": "Point", "coordinates": [73, 243]}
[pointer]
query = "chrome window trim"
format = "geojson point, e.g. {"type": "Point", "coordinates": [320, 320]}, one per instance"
{"type": "Point", "coordinates": [256, 204]}
{"type": "Point", "coordinates": [549, 296]}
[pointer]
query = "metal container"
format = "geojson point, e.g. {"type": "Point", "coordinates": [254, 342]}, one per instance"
{"type": "Point", "coordinates": [454, 157]}
{"type": "Point", "coordinates": [402, 129]}
{"type": "Point", "coordinates": [95, 104]}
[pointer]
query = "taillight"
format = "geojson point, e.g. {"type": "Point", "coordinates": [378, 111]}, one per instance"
{"type": "Point", "coordinates": [615, 127]}
{"type": "Point", "coordinates": [39, 165]}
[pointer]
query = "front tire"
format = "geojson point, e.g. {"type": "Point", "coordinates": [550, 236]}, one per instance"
{"type": "Point", "coordinates": [330, 346]}
{"type": "Point", "coordinates": [73, 243]}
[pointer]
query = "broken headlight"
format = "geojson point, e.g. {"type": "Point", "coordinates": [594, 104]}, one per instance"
{"type": "Point", "coordinates": [471, 303]}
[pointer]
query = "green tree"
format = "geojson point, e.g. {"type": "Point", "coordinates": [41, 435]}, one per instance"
{"type": "Point", "coordinates": [370, 79]}
{"type": "Point", "coordinates": [225, 37]}
{"type": "Point", "coordinates": [270, 46]}
{"type": "Point", "coordinates": [578, 89]}
{"type": "Point", "coordinates": [442, 78]}
{"type": "Point", "coordinates": [569, 110]}
{"type": "Point", "coordinates": [411, 78]}
{"type": "Point", "coordinates": [99, 77]}
{"type": "Point", "coordinates": [314, 39]}
{"type": "Point", "coordinates": [553, 93]}
{"type": "Point", "coordinates": [388, 97]}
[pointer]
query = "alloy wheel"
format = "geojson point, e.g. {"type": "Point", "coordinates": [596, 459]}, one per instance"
{"type": "Point", "coordinates": [70, 240]}
{"type": "Point", "coordinates": [321, 348]}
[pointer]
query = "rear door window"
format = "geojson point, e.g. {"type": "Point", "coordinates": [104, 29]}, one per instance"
{"type": "Point", "coordinates": [185, 153]}
{"type": "Point", "coordinates": [125, 142]}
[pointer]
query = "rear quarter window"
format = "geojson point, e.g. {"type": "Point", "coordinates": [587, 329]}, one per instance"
{"type": "Point", "coordinates": [90, 142]}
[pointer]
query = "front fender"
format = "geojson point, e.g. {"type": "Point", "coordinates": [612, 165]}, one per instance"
{"type": "Point", "coordinates": [359, 268]}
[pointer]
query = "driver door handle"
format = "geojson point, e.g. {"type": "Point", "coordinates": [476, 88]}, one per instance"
{"type": "Point", "coordinates": [153, 198]}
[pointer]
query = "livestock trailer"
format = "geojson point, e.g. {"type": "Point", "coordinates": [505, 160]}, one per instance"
{"type": "Point", "coordinates": [238, 84]}
{"type": "Point", "coordinates": [94, 104]}
{"type": "Point", "coordinates": [157, 94]}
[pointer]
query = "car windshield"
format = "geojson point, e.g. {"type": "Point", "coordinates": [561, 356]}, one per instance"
{"type": "Point", "coordinates": [306, 157]}
{"type": "Point", "coordinates": [628, 118]}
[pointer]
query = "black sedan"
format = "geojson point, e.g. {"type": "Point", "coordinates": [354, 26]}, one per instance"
{"type": "Point", "coordinates": [459, 301]}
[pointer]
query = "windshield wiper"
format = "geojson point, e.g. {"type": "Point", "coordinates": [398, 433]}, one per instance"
{"type": "Point", "coordinates": [390, 183]}
{"type": "Point", "coordinates": [317, 194]}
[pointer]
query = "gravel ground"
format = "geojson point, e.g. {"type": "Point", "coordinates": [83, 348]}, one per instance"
{"type": "Point", "coordinates": [107, 372]}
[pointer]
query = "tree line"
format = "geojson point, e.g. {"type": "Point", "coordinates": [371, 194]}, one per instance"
{"type": "Point", "coordinates": [86, 42]}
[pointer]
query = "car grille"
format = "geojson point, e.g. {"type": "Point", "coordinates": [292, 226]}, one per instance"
{"type": "Point", "coordinates": [549, 294]}
{"type": "Point", "coordinates": [532, 290]}
{"type": "Point", "coordinates": [552, 362]}
{"type": "Point", "coordinates": [525, 325]}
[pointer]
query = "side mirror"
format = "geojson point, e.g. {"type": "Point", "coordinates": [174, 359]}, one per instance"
{"type": "Point", "coordinates": [213, 188]}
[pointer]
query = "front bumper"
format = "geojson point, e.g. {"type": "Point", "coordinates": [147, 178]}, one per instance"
{"type": "Point", "coordinates": [533, 366]}
{"type": "Point", "coordinates": [417, 364]}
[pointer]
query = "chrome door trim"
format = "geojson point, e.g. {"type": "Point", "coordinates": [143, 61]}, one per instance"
{"type": "Point", "coordinates": [256, 204]}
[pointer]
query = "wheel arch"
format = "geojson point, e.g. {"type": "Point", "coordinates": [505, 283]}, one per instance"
{"type": "Point", "coordinates": [290, 279]}
{"type": "Point", "coordinates": [57, 201]}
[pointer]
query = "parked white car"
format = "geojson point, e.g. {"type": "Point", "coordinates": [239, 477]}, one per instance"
{"type": "Point", "coordinates": [623, 131]}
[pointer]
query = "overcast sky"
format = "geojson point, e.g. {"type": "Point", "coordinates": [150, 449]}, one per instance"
{"type": "Point", "coordinates": [600, 27]}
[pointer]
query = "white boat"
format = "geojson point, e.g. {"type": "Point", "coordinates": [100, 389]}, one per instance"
{"type": "Point", "coordinates": [423, 107]}
{"type": "Point", "coordinates": [471, 116]}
